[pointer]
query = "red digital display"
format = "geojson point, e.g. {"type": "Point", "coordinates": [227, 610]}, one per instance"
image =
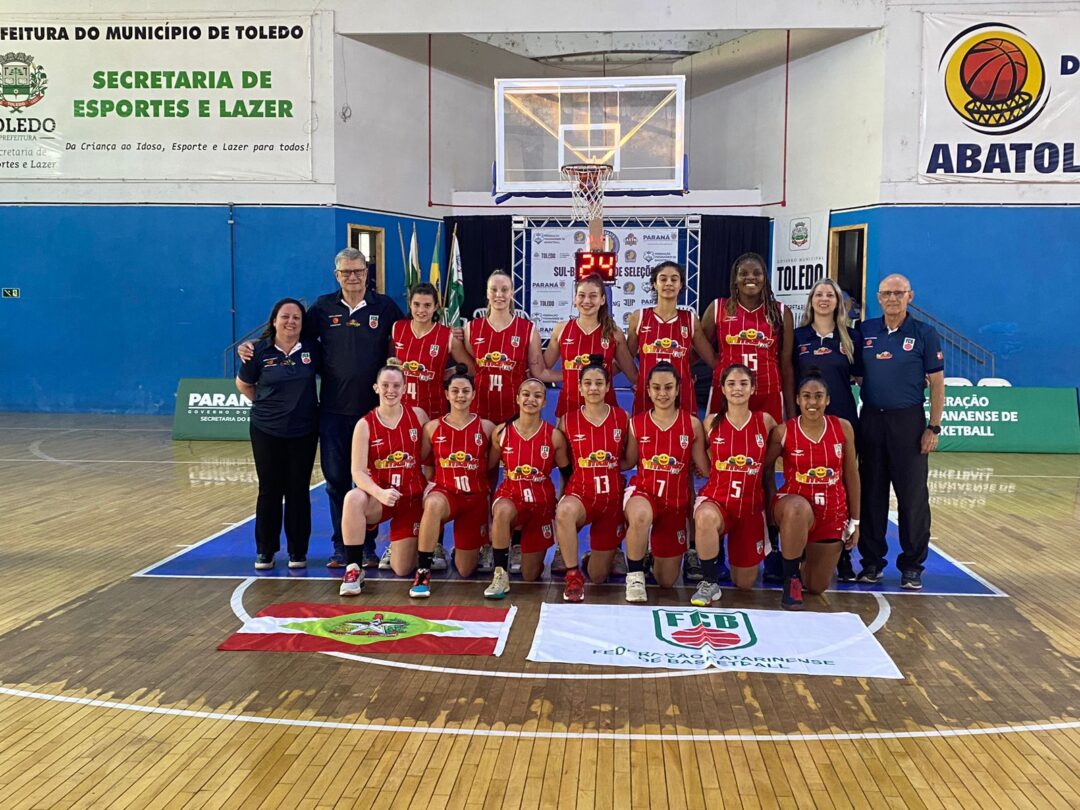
{"type": "Point", "coordinates": [600, 262]}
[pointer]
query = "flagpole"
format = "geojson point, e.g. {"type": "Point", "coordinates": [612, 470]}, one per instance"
{"type": "Point", "coordinates": [404, 262]}
{"type": "Point", "coordinates": [446, 284]}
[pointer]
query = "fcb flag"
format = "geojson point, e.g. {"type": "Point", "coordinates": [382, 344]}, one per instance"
{"type": "Point", "coordinates": [304, 627]}
{"type": "Point", "coordinates": [412, 269]}
{"type": "Point", "coordinates": [454, 300]}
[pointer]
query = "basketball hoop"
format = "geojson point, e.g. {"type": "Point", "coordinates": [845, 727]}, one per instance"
{"type": "Point", "coordinates": [587, 181]}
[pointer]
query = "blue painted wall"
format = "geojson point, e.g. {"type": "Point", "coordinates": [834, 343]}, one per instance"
{"type": "Point", "coordinates": [1004, 277]}
{"type": "Point", "coordinates": [120, 302]}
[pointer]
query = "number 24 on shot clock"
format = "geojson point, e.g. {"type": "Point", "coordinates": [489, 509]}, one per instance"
{"type": "Point", "coordinates": [599, 262]}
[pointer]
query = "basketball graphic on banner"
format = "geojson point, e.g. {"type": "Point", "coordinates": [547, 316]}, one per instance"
{"type": "Point", "coordinates": [993, 70]}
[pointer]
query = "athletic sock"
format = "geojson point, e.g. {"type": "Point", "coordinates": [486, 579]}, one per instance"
{"type": "Point", "coordinates": [774, 537]}
{"type": "Point", "coordinates": [572, 567]}
{"type": "Point", "coordinates": [708, 569]}
{"type": "Point", "coordinates": [369, 538]}
{"type": "Point", "coordinates": [791, 567]}
{"type": "Point", "coordinates": [633, 566]}
{"type": "Point", "coordinates": [501, 557]}
{"type": "Point", "coordinates": [354, 554]}
{"type": "Point", "coordinates": [515, 537]}
{"type": "Point", "coordinates": [424, 560]}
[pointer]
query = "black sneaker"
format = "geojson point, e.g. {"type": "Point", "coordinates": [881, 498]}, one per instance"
{"type": "Point", "coordinates": [911, 580]}
{"type": "Point", "coordinates": [870, 574]}
{"type": "Point", "coordinates": [296, 561]}
{"type": "Point", "coordinates": [691, 569]}
{"type": "Point", "coordinates": [792, 598]}
{"type": "Point", "coordinates": [264, 562]}
{"type": "Point", "coordinates": [773, 570]}
{"type": "Point", "coordinates": [723, 573]}
{"type": "Point", "coordinates": [845, 572]}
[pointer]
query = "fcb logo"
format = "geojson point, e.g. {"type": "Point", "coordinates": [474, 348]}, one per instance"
{"type": "Point", "coordinates": [700, 629]}
{"type": "Point", "coordinates": [545, 451]}
{"type": "Point", "coordinates": [373, 321]}
{"type": "Point", "coordinates": [515, 341]}
{"type": "Point", "coordinates": [305, 358]}
{"type": "Point", "coordinates": [433, 350]}
{"type": "Point", "coordinates": [838, 449]}
{"type": "Point", "coordinates": [617, 434]}
{"type": "Point", "coordinates": [413, 435]}
{"type": "Point", "coordinates": [994, 78]}
{"type": "Point", "coordinates": [759, 440]}
{"type": "Point", "coordinates": [684, 441]}
{"type": "Point", "coordinates": [479, 439]}
{"type": "Point", "coordinates": [909, 344]}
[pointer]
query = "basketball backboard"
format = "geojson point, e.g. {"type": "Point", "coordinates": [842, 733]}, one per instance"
{"type": "Point", "coordinates": [633, 123]}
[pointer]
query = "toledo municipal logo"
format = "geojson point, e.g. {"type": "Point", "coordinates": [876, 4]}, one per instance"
{"type": "Point", "coordinates": [22, 81]}
{"type": "Point", "coordinates": [994, 78]}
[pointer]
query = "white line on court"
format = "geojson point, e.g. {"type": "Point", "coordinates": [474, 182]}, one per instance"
{"type": "Point", "coordinates": [236, 603]}
{"type": "Point", "coordinates": [542, 735]}
{"type": "Point", "coordinates": [963, 567]}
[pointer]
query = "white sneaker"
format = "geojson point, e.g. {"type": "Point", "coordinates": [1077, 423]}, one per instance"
{"type": "Point", "coordinates": [706, 594]}
{"type": "Point", "coordinates": [500, 585]}
{"type": "Point", "coordinates": [618, 563]}
{"type": "Point", "coordinates": [384, 560]}
{"type": "Point", "coordinates": [438, 558]}
{"type": "Point", "coordinates": [635, 587]}
{"type": "Point", "coordinates": [486, 562]}
{"type": "Point", "coordinates": [352, 584]}
{"type": "Point", "coordinates": [558, 564]}
{"type": "Point", "coordinates": [515, 559]}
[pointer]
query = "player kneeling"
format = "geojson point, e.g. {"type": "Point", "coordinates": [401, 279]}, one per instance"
{"type": "Point", "coordinates": [666, 441]}
{"type": "Point", "coordinates": [386, 450]}
{"type": "Point", "coordinates": [529, 449]}
{"type": "Point", "coordinates": [733, 500]}
{"type": "Point", "coordinates": [460, 445]}
{"type": "Point", "coordinates": [597, 434]}
{"type": "Point", "coordinates": [820, 492]}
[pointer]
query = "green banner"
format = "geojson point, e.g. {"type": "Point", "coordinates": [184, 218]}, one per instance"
{"type": "Point", "coordinates": [210, 409]}
{"type": "Point", "coordinates": [988, 419]}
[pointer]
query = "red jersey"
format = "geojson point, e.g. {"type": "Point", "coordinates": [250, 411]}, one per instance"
{"type": "Point", "coordinates": [664, 458]}
{"type": "Point", "coordinates": [815, 470]}
{"type": "Point", "coordinates": [596, 452]}
{"type": "Point", "coordinates": [502, 362]}
{"type": "Point", "coordinates": [748, 338]}
{"type": "Point", "coordinates": [665, 340]}
{"type": "Point", "coordinates": [394, 452]}
{"type": "Point", "coordinates": [575, 346]}
{"type": "Point", "coordinates": [528, 464]}
{"type": "Point", "coordinates": [423, 359]}
{"type": "Point", "coordinates": [735, 465]}
{"type": "Point", "coordinates": [461, 457]}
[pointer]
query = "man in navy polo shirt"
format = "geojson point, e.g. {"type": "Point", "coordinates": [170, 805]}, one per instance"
{"type": "Point", "coordinates": [899, 356]}
{"type": "Point", "coordinates": [353, 326]}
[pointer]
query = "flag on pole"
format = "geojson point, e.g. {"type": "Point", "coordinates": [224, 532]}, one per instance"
{"type": "Point", "coordinates": [412, 270]}
{"type": "Point", "coordinates": [434, 275]}
{"type": "Point", "coordinates": [455, 286]}
{"type": "Point", "coordinates": [302, 627]}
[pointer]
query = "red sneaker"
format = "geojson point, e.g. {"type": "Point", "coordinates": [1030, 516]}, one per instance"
{"type": "Point", "coordinates": [575, 586]}
{"type": "Point", "coordinates": [792, 598]}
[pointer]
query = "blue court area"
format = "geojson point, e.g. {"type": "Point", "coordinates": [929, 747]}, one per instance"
{"type": "Point", "coordinates": [231, 554]}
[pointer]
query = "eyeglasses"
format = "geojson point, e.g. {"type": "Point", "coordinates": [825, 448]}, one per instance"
{"type": "Point", "coordinates": [893, 293]}
{"type": "Point", "coordinates": [352, 273]}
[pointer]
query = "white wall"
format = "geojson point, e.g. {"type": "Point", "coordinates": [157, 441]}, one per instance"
{"type": "Point", "coordinates": [834, 130]}
{"type": "Point", "coordinates": [903, 89]}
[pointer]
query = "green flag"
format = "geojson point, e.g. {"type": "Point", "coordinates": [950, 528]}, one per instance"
{"type": "Point", "coordinates": [455, 288]}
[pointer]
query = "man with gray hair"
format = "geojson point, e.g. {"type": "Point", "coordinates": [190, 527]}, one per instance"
{"type": "Point", "coordinates": [354, 325]}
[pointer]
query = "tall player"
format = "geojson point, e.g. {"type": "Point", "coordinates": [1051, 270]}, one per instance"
{"type": "Point", "coordinates": [597, 434]}
{"type": "Point", "coordinates": [733, 500]}
{"type": "Point", "coordinates": [667, 441]}
{"type": "Point", "coordinates": [752, 328]}
{"type": "Point", "coordinates": [386, 451]}
{"type": "Point", "coordinates": [529, 449]}
{"type": "Point", "coordinates": [817, 508]}
{"type": "Point", "coordinates": [460, 449]}
{"type": "Point", "coordinates": [593, 333]}
{"type": "Point", "coordinates": [665, 334]}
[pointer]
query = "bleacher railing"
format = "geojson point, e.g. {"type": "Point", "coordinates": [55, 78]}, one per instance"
{"type": "Point", "coordinates": [963, 356]}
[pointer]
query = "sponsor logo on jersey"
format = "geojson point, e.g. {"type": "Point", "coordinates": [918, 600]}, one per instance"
{"type": "Point", "coordinates": [739, 463]}
{"type": "Point", "coordinates": [269, 362]}
{"type": "Point", "coordinates": [352, 322]}
{"type": "Point", "coordinates": [498, 361]}
{"type": "Point", "coordinates": [399, 458]}
{"type": "Point", "coordinates": [883, 355]}
{"type": "Point", "coordinates": [869, 343]}
{"type": "Point", "coordinates": [804, 348]}
{"type": "Point", "coordinates": [414, 368]}
{"type": "Point", "coordinates": [335, 320]}
{"type": "Point", "coordinates": [375, 442]}
{"type": "Point", "coordinates": [818, 475]}
{"type": "Point", "coordinates": [440, 439]}
{"type": "Point", "coordinates": [598, 458]}
{"type": "Point", "coordinates": [579, 437]}
{"type": "Point", "coordinates": [909, 344]}
{"type": "Point", "coordinates": [460, 458]}
{"type": "Point", "coordinates": [662, 462]}
{"type": "Point", "coordinates": [822, 350]}
{"type": "Point", "coordinates": [749, 337]}
{"type": "Point", "coordinates": [305, 358]}
{"type": "Point", "coordinates": [525, 472]}
{"type": "Point", "coordinates": [665, 346]}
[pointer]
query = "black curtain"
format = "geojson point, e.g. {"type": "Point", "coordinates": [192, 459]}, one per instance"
{"type": "Point", "coordinates": [723, 239]}
{"type": "Point", "coordinates": [486, 244]}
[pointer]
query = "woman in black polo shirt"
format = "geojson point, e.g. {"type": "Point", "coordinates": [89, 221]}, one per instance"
{"type": "Point", "coordinates": [280, 380]}
{"type": "Point", "coordinates": [827, 341]}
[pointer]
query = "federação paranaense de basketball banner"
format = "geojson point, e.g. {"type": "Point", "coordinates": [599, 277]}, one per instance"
{"type": "Point", "coordinates": [150, 99]}
{"type": "Point", "coordinates": [1001, 98]}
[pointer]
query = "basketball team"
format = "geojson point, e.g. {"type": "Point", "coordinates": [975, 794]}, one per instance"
{"type": "Point", "coordinates": [418, 440]}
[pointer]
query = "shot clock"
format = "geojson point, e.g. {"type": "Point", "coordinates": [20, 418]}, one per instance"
{"type": "Point", "coordinates": [599, 262]}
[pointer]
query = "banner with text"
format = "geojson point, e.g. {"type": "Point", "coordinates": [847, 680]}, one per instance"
{"type": "Point", "coordinates": [800, 258]}
{"type": "Point", "coordinates": [150, 99]}
{"type": "Point", "coordinates": [637, 250]}
{"type": "Point", "coordinates": [1001, 101]}
{"type": "Point", "coordinates": [834, 644]}
{"type": "Point", "coordinates": [211, 409]}
{"type": "Point", "coordinates": [983, 419]}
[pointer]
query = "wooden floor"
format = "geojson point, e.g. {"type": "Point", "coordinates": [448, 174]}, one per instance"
{"type": "Point", "coordinates": [113, 694]}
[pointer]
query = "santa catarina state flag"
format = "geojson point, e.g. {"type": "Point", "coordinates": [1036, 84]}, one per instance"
{"type": "Point", "coordinates": [304, 627]}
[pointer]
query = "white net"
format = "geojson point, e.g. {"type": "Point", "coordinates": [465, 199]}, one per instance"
{"type": "Point", "coordinates": [587, 181]}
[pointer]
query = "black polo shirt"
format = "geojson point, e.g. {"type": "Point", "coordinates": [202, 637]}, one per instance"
{"type": "Point", "coordinates": [826, 354]}
{"type": "Point", "coordinates": [286, 403]}
{"type": "Point", "coordinates": [355, 346]}
{"type": "Point", "coordinates": [895, 365]}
